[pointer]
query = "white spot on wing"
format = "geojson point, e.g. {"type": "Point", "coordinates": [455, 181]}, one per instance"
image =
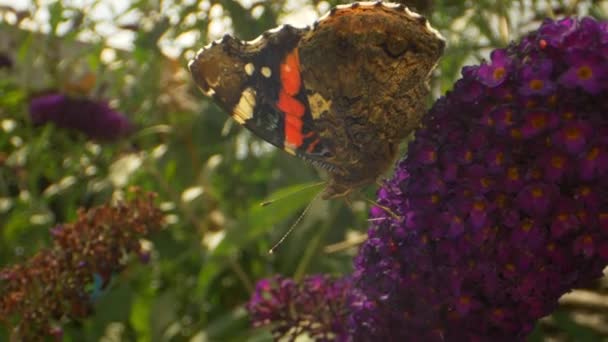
{"type": "Point", "coordinates": [390, 5]}
{"type": "Point", "coordinates": [256, 41]}
{"type": "Point", "coordinates": [433, 31]}
{"type": "Point", "coordinates": [276, 29]}
{"type": "Point", "coordinates": [259, 39]}
{"type": "Point", "coordinates": [325, 16]}
{"type": "Point", "coordinates": [249, 69]}
{"type": "Point", "coordinates": [266, 72]}
{"type": "Point", "coordinates": [289, 149]}
{"type": "Point", "coordinates": [243, 110]}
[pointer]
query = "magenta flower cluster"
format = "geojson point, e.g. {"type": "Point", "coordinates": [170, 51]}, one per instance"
{"type": "Point", "coordinates": [93, 118]}
{"type": "Point", "coordinates": [502, 199]}
{"type": "Point", "coordinates": [316, 306]}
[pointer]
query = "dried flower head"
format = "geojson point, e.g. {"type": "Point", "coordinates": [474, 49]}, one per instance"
{"type": "Point", "coordinates": [55, 284]}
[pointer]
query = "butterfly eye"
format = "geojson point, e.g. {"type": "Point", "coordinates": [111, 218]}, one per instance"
{"type": "Point", "coordinates": [360, 136]}
{"type": "Point", "coordinates": [327, 154]}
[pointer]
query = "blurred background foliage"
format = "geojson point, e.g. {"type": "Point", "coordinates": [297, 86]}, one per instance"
{"type": "Point", "coordinates": [210, 174]}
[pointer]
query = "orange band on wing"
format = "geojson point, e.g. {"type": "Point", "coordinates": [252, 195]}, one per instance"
{"type": "Point", "coordinates": [290, 105]}
{"type": "Point", "coordinates": [293, 136]}
{"type": "Point", "coordinates": [291, 83]}
{"type": "Point", "coordinates": [290, 73]}
{"type": "Point", "coordinates": [294, 110]}
{"type": "Point", "coordinates": [312, 145]}
{"type": "Point", "coordinates": [294, 122]}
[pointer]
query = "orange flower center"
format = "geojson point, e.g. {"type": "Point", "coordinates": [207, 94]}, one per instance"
{"type": "Point", "coordinates": [509, 117]}
{"type": "Point", "coordinates": [537, 193]}
{"type": "Point", "coordinates": [539, 121]}
{"type": "Point", "coordinates": [500, 157]}
{"type": "Point", "coordinates": [516, 133]}
{"type": "Point", "coordinates": [584, 72]}
{"type": "Point", "coordinates": [536, 84]}
{"type": "Point", "coordinates": [499, 73]}
{"type": "Point", "coordinates": [558, 162]}
{"type": "Point", "coordinates": [468, 156]}
{"type": "Point", "coordinates": [527, 226]}
{"type": "Point", "coordinates": [513, 173]}
{"type": "Point", "coordinates": [593, 153]}
{"type": "Point", "coordinates": [573, 133]}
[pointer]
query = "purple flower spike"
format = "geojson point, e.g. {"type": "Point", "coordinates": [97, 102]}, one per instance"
{"type": "Point", "coordinates": [520, 218]}
{"type": "Point", "coordinates": [95, 119]}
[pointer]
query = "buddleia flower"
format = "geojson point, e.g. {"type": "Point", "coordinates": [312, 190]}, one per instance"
{"type": "Point", "coordinates": [501, 200]}
{"type": "Point", "coordinates": [96, 119]}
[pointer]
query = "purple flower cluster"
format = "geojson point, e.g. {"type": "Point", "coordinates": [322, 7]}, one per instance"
{"type": "Point", "coordinates": [316, 306]}
{"type": "Point", "coordinates": [95, 119]}
{"type": "Point", "coordinates": [502, 201]}
{"type": "Point", "coordinates": [502, 198]}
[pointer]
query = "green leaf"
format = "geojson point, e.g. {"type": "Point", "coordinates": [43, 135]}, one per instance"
{"type": "Point", "coordinates": [578, 332]}
{"type": "Point", "coordinates": [140, 316]}
{"type": "Point", "coordinates": [56, 15]}
{"type": "Point", "coordinates": [261, 219]}
{"type": "Point", "coordinates": [225, 327]}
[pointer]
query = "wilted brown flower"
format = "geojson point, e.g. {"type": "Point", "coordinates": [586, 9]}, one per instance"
{"type": "Point", "coordinates": [55, 283]}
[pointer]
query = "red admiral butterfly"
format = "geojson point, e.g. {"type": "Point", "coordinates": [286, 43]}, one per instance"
{"type": "Point", "coordinates": [341, 94]}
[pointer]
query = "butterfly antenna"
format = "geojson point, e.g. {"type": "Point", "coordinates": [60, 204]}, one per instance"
{"type": "Point", "coordinates": [276, 245]}
{"type": "Point", "coordinates": [269, 202]}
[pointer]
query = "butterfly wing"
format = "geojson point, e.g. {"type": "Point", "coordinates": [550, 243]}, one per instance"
{"type": "Point", "coordinates": [260, 84]}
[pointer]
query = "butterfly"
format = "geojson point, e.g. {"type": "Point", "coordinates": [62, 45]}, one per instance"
{"type": "Point", "coordinates": [341, 94]}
